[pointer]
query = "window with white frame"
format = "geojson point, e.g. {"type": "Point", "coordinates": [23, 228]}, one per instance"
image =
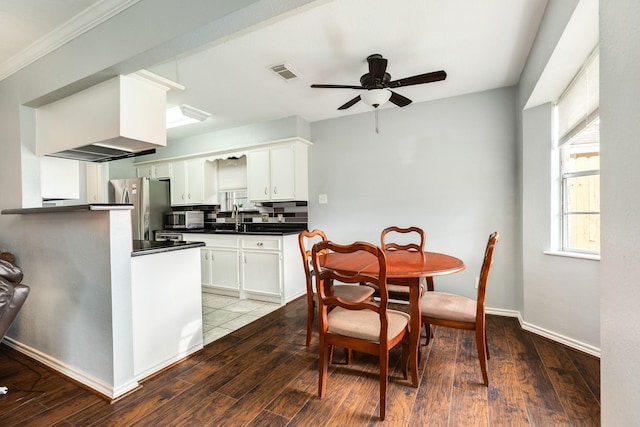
{"type": "Point", "coordinates": [578, 125]}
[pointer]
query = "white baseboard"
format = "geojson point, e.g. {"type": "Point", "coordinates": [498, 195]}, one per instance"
{"type": "Point", "coordinates": [569, 342]}
{"type": "Point", "coordinates": [93, 383]}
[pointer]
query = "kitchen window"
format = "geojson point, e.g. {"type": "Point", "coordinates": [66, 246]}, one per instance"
{"type": "Point", "coordinates": [578, 148]}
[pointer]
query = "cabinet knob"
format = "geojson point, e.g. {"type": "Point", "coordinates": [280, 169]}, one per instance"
{"type": "Point", "coordinates": [260, 244]}
{"type": "Point", "coordinates": [266, 191]}
{"type": "Point", "coordinates": [275, 190]}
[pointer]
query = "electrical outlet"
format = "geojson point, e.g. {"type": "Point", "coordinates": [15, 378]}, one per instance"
{"type": "Point", "coordinates": [265, 217]}
{"type": "Point", "coordinates": [476, 282]}
{"type": "Point", "coordinates": [322, 199]}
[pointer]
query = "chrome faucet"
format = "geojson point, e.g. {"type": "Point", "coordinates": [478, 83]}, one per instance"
{"type": "Point", "coordinates": [234, 214]}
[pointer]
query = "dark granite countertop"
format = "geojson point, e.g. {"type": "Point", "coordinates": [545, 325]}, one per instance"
{"type": "Point", "coordinates": [148, 247]}
{"type": "Point", "coordinates": [248, 229]}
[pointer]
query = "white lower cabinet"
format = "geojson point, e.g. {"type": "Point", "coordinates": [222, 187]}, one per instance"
{"type": "Point", "coordinates": [219, 264]}
{"type": "Point", "coordinates": [262, 268]}
{"type": "Point", "coordinates": [265, 268]}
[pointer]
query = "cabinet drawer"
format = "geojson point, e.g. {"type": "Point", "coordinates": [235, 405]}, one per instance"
{"type": "Point", "coordinates": [215, 241]}
{"type": "Point", "coordinates": [261, 244]}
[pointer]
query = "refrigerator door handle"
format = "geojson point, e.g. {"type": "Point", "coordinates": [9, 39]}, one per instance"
{"type": "Point", "coordinates": [125, 195]}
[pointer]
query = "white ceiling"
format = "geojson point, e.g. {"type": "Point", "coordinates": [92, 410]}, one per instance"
{"type": "Point", "coordinates": [481, 45]}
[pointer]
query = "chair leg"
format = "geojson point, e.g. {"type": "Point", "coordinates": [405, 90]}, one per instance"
{"type": "Point", "coordinates": [384, 380]}
{"type": "Point", "coordinates": [486, 345]}
{"type": "Point", "coordinates": [481, 343]}
{"type": "Point", "coordinates": [311, 309]}
{"type": "Point", "coordinates": [430, 285]}
{"type": "Point", "coordinates": [323, 367]}
{"type": "Point", "coordinates": [428, 330]}
{"type": "Point", "coordinates": [347, 355]}
{"type": "Point", "coordinates": [405, 356]}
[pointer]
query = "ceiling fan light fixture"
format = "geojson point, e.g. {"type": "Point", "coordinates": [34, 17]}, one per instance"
{"type": "Point", "coordinates": [184, 114]}
{"type": "Point", "coordinates": [375, 97]}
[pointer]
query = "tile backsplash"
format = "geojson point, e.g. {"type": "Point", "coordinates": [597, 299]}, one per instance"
{"type": "Point", "coordinates": [295, 212]}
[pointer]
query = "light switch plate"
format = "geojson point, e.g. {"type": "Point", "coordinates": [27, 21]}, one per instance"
{"type": "Point", "coordinates": [322, 199]}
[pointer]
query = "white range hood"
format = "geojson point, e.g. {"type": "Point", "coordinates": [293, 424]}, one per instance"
{"type": "Point", "coordinates": [121, 117]}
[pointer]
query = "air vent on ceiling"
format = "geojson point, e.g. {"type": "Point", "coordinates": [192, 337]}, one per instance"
{"type": "Point", "coordinates": [285, 71]}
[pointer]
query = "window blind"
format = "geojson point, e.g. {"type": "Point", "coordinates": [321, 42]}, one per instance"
{"type": "Point", "coordinates": [578, 105]}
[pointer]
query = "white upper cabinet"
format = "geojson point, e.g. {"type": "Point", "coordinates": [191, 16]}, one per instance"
{"type": "Point", "coordinates": [59, 178]}
{"type": "Point", "coordinates": [259, 175]}
{"type": "Point", "coordinates": [162, 171]}
{"type": "Point", "coordinates": [278, 173]}
{"type": "Point", "coordinates": [97, 182]}
{"type": "Point", "coordinates": [187, 182]}
{"type": "Point", "coordinates": [158, 171]}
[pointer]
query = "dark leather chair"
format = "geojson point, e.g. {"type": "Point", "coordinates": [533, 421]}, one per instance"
{"type": "Point", "coordinates": [12, 296]}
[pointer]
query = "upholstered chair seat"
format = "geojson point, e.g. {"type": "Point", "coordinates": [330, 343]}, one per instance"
{"type": "Point", "coordinates": [365, 324]}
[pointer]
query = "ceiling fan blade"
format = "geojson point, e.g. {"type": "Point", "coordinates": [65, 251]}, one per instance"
{"type": "Point", "coordinates": [377, 66]}
{"type": "Point", "coordinates": [419, 79]}
{"type": "Point", "coordinates": [350, 103]}
{"type": "Point", "coordinates": [337, 87]}
{"type": "Point", "coordinates": [399, 100]}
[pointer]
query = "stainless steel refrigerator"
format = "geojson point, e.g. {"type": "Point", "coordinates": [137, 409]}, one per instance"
{"type": "Point", "coordinates": [150, 199]}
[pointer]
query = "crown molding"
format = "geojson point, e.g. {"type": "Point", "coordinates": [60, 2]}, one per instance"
{"type": "Point", "coordinates": [74, 27]}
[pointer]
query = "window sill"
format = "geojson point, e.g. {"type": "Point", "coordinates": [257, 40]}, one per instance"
{"type": "Point", "coordinates": [573, 255]}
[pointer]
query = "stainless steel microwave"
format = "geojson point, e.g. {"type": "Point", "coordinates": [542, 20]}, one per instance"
{"type": "Point", "coordinates": [180, 220]}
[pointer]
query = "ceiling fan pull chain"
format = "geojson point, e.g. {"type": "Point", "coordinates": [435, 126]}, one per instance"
{"type": "Point", "coordinates": [376, 110]}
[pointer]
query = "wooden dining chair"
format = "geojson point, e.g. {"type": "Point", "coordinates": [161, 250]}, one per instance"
{"type": "Point", "coordinates": [403, 239]}
{"type": "Point", "coordinates": [367, 326]}
{"type": "Point", "coordinates": [460, 312]}
{"type": "Point", "coordinates": [347, 292]}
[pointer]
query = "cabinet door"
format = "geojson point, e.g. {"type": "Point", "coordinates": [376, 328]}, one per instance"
{"type": "Point", "coordinates": [59, 178]}
{"type": "Point", "coordinates": [225, 271]}
{"type": "Point", "coordinates": [162, 171]}
{"type": "Point", "coordinates": [145, 171]}
{"type": "Point", "coordinates": [195, 182]}
{"type": "Point", "coordinates": [205, 266]}
{"type": "Point", "coordinates": [261, 273]}
{"type": "Point", "coordinates": [95, 183]}
{"type": "Point", "coordinates": [258, 175]}
{"type": "Point", "coordinates": [282, 164]}
{"type": "Point", "coordinates": [178, 184]}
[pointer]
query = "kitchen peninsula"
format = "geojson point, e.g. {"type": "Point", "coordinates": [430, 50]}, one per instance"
{"type": "Point", "coordinates": [104, 310]}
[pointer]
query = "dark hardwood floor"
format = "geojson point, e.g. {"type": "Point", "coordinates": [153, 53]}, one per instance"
{"type": "Point", "coordinates": [263, 375]}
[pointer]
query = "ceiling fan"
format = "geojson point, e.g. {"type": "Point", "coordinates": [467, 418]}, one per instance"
{"type": "Point", "coordinates": [378, 84]}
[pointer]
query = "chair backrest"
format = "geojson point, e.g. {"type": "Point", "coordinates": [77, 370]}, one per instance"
{"type": "Point", "coordinates": [306, 239]}
{"type": "Point", "coordinates": [326, 276]}
{"type": "Point", "coordinates": [484, 273]}
{"type": "Point", "coordinates": [388, 233]}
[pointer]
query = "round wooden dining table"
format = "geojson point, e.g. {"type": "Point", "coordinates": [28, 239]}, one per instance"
{"type": "Point", "coordinates": [404, 267]}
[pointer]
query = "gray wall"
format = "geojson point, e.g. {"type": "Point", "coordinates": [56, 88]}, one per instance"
{"type": "Point", "coordinates": [560, 294]}
{"type": "Point", "coordinates": [447, 166]}
{"type": "Point", "coordinates": [620, 293]}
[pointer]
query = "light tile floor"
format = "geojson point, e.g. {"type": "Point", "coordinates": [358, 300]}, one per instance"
{"type": "Point", "coordinates": [222, 315]}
